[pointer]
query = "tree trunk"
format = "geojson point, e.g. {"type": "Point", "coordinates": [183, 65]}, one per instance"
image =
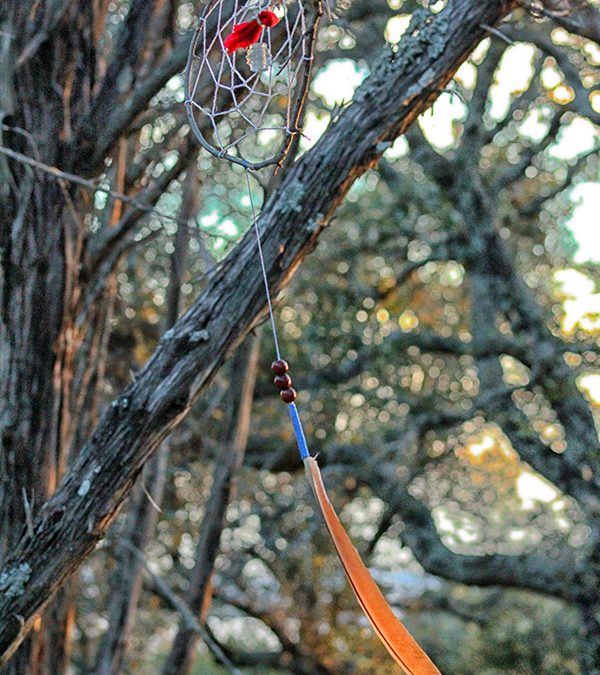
{"type": "Point", "coordinates": [41, 244]}
{"type": "Point", "coordinates": [37, 347]}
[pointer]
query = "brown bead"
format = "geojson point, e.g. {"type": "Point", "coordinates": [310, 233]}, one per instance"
{"type": "Point", "coordinates": [280, 367]}
{"type": "Point", "coordinates": [283, 381]}
{"type": "Point", "coordinates": [288, 395]}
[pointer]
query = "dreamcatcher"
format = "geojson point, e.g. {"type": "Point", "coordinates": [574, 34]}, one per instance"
{"type": "Point", "coordinates": [246, 81]}
{"type": "Point", "coordinates": [249, 68]}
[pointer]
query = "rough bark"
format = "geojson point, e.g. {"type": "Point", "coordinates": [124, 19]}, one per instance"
{"type": "Point", "coordinates": [402, 85]}
{"type": "Point", "coordinates": [577, 16]}
{"type": "Point", "coordinates": [40, 284]}
{"type": "Point", "coordinates": [54, 324]}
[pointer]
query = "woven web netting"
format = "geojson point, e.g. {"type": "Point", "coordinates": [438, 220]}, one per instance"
{"type": "Point", "coordinates": [244, 101]}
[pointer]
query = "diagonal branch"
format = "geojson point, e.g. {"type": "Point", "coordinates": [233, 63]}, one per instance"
{"type": "Point", "coordinates": [540, 572]}
{"type": "Point", "coordinates": [533, 207]}
{"type": "Point", "coordinates": [88, 184]}
{"type": "Point", "coordinates": [516, 172]}
{"type": "Point", "coordinates": [581, 103]}
{"type": "Point", "coordinates": [101, 134]}
{"type": "Point", "coordinates": [188, 617]}
{"type": "Point", "coordinates": [580, 18]}
{"type": "Point", "coordinates": [110, 238]}
{"type": "Point", "coordinates": [536, 571]}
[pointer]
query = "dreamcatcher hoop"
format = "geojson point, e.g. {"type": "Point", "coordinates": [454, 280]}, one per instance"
{"type": "Point", "coordinates": [226, 88]}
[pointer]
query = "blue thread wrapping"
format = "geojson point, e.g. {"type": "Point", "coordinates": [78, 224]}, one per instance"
{"type": "Point", "coordinates": [299, 431]}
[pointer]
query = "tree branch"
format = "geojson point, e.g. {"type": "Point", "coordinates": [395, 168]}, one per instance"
{"type": "Point", "coordinates": [514, 173]}
{"type": "Point", "coordinates": [111, 237]}
{"type": "Point", "coordinates": [163, 589]}
{"type": "Point", "coordinates": [102, 134]}
{"type": "Point", "coordinates": [535, 206]}
{"type": "Point", "coordinates": [535, 571]}
{"type": "Point", "coordinates": [581, 103]}
{"type": "Point", "coordinates": [580, 18]}
{"type": "Point", "coordinates": [88, 184]}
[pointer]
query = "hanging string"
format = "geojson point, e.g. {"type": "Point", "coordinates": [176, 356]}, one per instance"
{"type": "Point", "coordinates": [295, 417]}
{"type": "Point", "coordinates": [262, 264]}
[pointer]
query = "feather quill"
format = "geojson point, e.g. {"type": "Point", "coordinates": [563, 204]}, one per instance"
{"type": "Point", "coordinates": [396, 639]}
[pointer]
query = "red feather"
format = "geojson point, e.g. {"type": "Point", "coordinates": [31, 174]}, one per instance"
{"type": "Point", "coordinates": [244, 35]}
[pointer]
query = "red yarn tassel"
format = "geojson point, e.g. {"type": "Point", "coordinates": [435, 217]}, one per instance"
{"type": "Point", "coordinates": [249, 32]}
{"type": "Point", "coordinates": [268, 18]}
{"type": "Point", "coordinates": [244, 35]}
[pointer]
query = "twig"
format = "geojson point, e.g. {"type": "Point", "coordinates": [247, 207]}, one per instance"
{"type": "Point", "coordinates": [497, 33]}
{"type": "Point", "coordinates": [91, 185]}
{"type": "Point", "coordinates": [165, 591]}
{"type": "Point", "coordinates": [28, 508]}
{"type": "Point", "coordinates": [149, 497]}
{"type": "Point", "coordinates": [25, 134]}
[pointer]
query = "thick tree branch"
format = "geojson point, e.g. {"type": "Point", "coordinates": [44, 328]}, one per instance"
{"type": "Point", "coordinates": [533, 207]}
{"type": "Point", "coordinates": [580, 18]}
{"type": "Point", "coordinates": [87, 500]}
{"type": "Point", "coordinates": [532, 570]}
{"type": "Point", "coordinates": [536, 571]}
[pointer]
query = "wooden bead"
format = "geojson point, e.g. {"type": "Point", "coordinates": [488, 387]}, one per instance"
{"type": "Point", "coordinates": [283, 381]}
{"type": "Point", "coordinates": [288, 395]}
{"type": "Point", "coordinates": [280, 367]}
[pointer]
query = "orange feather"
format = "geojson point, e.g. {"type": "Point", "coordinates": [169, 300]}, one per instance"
{"type": "Point", "coordinates": [396, 639]}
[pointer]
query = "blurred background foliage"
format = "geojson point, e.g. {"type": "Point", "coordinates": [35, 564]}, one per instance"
{"type": "Point", "coordinates": [377, 326]}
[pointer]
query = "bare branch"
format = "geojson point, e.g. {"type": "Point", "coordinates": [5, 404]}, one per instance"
{"type": "Point", "coordinates": [91, 185]}
{"type": "Point", "coordinates": [163, 589]}
{"type": "Point", "coordinates": [110, 237]}
{"type": "Point", "coordinates": [516, 172]}
{"type": "Point", "coordinates": [535, 206]}
{"type": "Point", "coordinates": [580, 18]}
{"type": "Point", "coordinates": [581, 103]}
{"type": "Point", "coordinates": [56, 15]}
{"type": "Point", "coordinates": [102, 134]}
